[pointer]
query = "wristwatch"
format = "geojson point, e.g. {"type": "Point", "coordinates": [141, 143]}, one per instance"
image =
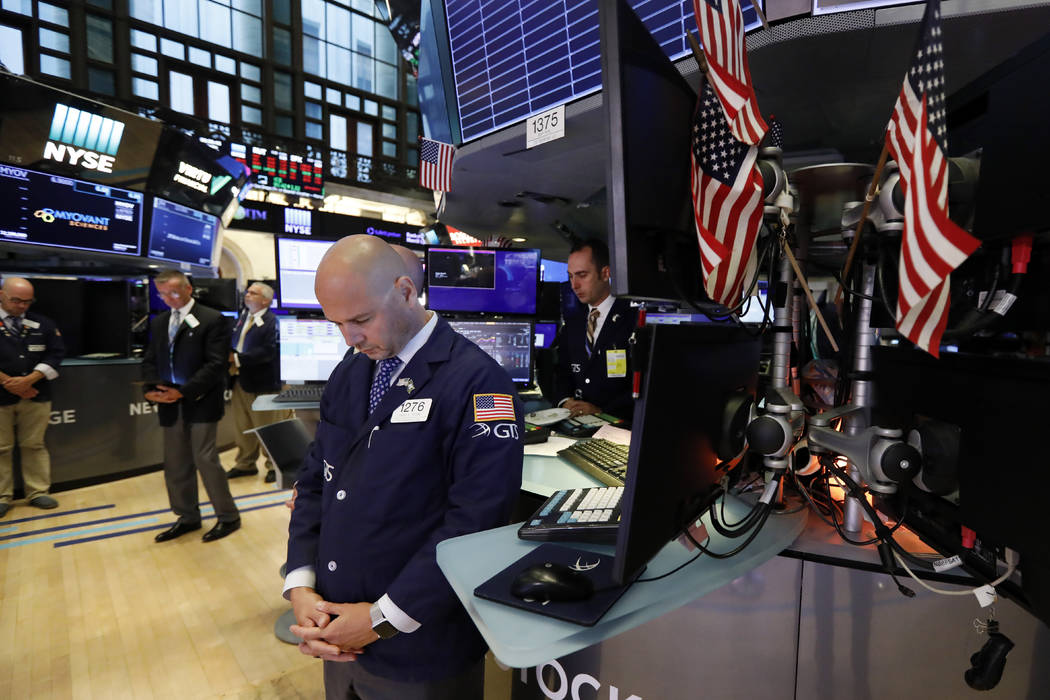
{"type": "Point", "coordinates": [380, 624]}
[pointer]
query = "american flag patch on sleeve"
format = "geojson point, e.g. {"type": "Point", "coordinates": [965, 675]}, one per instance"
{"type": "Point", "coordinates": [493, 407]}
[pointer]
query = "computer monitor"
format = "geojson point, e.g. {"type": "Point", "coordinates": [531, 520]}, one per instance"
{"type": "Point", "coordinates": [310, 349]}
{"type": "Point", "coordinates": [543, 334]}
{"type": "Point", "coordinates": [648, 108]}
{"type": "Point", "coordinates": [485, 280]}
{"type": "Point", "coordinates": [297, 261]}
{"type": "Point", "coordinates": [180, 234]}
{"type": "Point", "coordinates": [672, 475]}
{"type": "Point", "coordinates": [509, 343]}
{"type": "Point", "coordinates": [981, 421]}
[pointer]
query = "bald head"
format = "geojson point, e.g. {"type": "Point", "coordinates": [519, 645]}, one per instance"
{"type": "Point", "coordinates": [415, 266]}
{"type": "Point", "coordinates": [16, 294]}
{"type": "Point", "coordinates": [363, 286]}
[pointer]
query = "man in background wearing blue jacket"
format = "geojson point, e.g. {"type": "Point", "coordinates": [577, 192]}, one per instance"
{"type": "Point", "coordinates": [419, 441]}
{"type": "Point", "coordinates": [31, 349]}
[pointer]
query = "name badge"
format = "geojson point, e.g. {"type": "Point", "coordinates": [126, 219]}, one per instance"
{"type": "Point", "coordinates": [412, 411]}
{"type": "Point", "coordinates": [616, 363]}
{"type": "Point", "coordinates": [259, 321]}
{"type": "Point", "coordinates": [29, 323]}
{"type": "Point", "coordinates": [192, 321]}
{"type": "Point", "coordinates": [37, 348]}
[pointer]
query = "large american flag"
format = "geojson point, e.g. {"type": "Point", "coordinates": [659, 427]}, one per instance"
{"type": "Point", "coordinates": [727, 201]}
{"type": "Point", "coordinates": [932, 246]}
{"type": "Point", "coordinates": [435, 164]}
{"type": "Point", "coordinates": [721, 25]}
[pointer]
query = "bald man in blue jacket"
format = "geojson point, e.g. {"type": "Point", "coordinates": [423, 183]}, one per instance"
{"type": "Point", "coordinates": [419, 441]}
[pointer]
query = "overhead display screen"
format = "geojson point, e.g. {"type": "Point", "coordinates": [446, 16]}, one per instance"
{"type": "Point", "coordinates": [51, 210]}
{"type": "Point", "coordinates": [469, 280]}
{"type": "Point", "coordinates": [48, 129]}
{"type": "Point", "coordinates": [278, 171]}
{"type": "Point", "coordinates": [517, 58]}
{"type": "Point", "coordinates": [181, 234]}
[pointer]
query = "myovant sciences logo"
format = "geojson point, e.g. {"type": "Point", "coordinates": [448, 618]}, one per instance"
{"type": "Point", "coordinates": [82, 138]}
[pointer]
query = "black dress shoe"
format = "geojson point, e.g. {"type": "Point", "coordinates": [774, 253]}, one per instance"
{"type": "Point", "coordinates": [240, 471]}
{"type": "Point", "coordinates": [271, 476]}
{"type": "Point", "coordinates": [177, 530]}
{"type": "Point", "coordinates": [221, 530]}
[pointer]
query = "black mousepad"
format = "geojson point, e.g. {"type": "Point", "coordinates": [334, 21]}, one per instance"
{"type": "Point", "coordinates": [597, 567]}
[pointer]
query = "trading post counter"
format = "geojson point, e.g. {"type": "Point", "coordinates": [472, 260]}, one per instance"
{"type": "Point", "coordinates": [101, 426]}
{"type": "Point", "coordinates": [797, 614]}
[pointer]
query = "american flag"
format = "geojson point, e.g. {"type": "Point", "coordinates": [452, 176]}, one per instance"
{"type": "Point", "coordinates": [493, 407]}
{"type": "Point", "coordinates": [721, 25]}
{"type": "Point", "coordinates": [435, 164]}
{"type": "Point", "coordinates": [727, 201]}
{"type": "Point", "coordinates": [932, 246]}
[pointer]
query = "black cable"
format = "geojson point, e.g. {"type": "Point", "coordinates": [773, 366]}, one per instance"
{"type": "Point", "coordinates": [734, 552]}
{"type": "Point", "coordinates": [677, 568]}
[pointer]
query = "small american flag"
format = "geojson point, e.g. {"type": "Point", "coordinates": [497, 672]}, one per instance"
{"type": "Point", "coordinates": [932, 246]}
{"type": "Point", "coordinates": [493, 407]}
{"type": "Point", "coordinates": [721, 25]}
{"type": "Point", "coordinates": [435, 164]}
{"type": "Point", "coordinates": [727, 201]}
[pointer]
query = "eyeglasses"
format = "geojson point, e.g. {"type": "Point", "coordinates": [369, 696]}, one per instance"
{"type": "Point", "coordinates": [16, 300]}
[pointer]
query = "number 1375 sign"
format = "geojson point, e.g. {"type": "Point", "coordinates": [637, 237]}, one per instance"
{"type": "Point", "coordinates": [545, 127]}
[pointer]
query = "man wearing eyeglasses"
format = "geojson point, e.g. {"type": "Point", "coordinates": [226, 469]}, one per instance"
{"type": "Point", "coordinates": [31, 349]}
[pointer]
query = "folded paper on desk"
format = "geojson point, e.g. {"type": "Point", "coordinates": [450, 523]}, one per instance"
{"type": "Point", "coordinates": [597, 567]}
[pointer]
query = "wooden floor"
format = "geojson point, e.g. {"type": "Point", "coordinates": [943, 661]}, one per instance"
{"type": "Point", "coordinates": [91, 607]}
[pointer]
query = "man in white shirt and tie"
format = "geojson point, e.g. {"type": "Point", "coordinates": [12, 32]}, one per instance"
{"type": "Point", "coordinates": [592, 348]}
{"type": "Point", "coordinates": [254, 369]}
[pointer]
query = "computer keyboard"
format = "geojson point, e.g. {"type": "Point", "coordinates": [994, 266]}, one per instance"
{"type": "Point", "coordinates": [603, 459]}
{"type": "Point", "coordinates": [305, 392]}
{"type": "Point", "coordinates": [578, 515]}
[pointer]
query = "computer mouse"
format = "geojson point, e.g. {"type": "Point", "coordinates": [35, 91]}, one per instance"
{"type": "Point", "coordinates": [550, 581]}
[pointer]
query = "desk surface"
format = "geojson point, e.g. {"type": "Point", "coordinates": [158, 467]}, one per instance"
{"type": "Point", "coordinates": [521, 639]}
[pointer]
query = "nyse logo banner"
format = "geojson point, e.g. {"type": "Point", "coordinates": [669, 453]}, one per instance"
{"type": "Point", "coordinates": [83, 139]}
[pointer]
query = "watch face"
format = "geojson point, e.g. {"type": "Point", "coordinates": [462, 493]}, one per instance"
{"type": "Point", "coordinates": [384, 629]}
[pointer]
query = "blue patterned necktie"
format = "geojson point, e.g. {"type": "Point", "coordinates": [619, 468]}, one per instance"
{"type": "Point", "coordinates": [173, 326]}
{"type": "Point", "coordinates": [16, 323]}
{"type": "Point", "coordinates": [382, 381]}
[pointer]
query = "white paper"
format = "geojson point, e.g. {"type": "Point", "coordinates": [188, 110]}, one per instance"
{"type": "Point", "coordinates": [549, 448]}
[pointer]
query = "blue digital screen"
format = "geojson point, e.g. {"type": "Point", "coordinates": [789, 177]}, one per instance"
{"type": "Point", "coordinates": [554, 271]}
{"type": "Point", "coordinates": [516, 58]}
{"type": "Point", "coordinates": [50, 210]}
{"type": "Point", "coordinates": [544, 333]}
{"type": "Point", "coordinates": [482, 280]}
{"type": "Point", "coordinates": [181, 234]}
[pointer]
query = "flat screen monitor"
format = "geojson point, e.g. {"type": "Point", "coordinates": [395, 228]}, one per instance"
{"type": "Point", "coordinates": [648, 108]}
{"type": "Point", "coordinates": [672, 475]}
{"type": "Point", "coordinates": [544, 333]}
{"type": "Point", "coordinates": [468, 280]}
{"type": "Point", "coordinates": [183, 235]}
{"type": "Point", "coordinates": [310, 349]}
{"type": "Point", "coordinates": [51, 210]}
{"type": "Point", "coordinates": [297, 261]}
{"type": "Point", "coordinates": [507, 342]}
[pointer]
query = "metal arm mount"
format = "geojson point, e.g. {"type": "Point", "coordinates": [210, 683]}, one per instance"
{"type": "Point", "coordinates": [881, 456]}
{"type": "Point", "coordinates": [775, 433]}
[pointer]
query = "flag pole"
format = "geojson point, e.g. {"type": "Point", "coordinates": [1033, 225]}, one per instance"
{"type": "Point", "coordinates": [698, 53]}
{"type": "Point", "coordinates": [761, 15]}
{"type": "Point", "coordinates": [809, 295]}
{"type": "Point", "coordinates": [868, 199]}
